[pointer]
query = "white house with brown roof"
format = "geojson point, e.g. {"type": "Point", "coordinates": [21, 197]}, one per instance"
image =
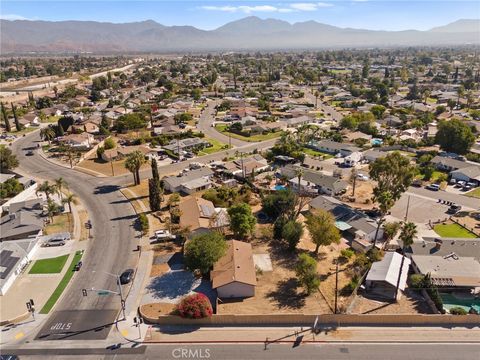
{"type": "Point", "coordinates": [200, 215]}
{"type": "Point", "coordinates": [234, 275]}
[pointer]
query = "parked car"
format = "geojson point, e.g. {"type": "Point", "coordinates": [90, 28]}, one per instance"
{"type": "Point", "coordinates": [126, 276]}
{"type": "Point", "coordinates": [29, 153]}
{"type": "Point", "coordinates": [433, 187]}
{"type": "Point", "coordinates": [78, 266]}
{"type": "Point", "coordinates": [162, 235]}
{"type": "Point", "coordinates": [454, 209]}
{"type": "Point", "coordinates": [362, 177]}
{"type": "Point", "coordinates": [417, 183]}
{"type": "Point", "coordinates": [54, 242]}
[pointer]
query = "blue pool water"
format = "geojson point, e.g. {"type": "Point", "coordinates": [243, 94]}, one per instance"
{"type": "Point", "coordinates": [377, 141]}
{"type": "Point", "coordinates": [279, 187]}
{"type": "Point", "coordinates": [450, 301]}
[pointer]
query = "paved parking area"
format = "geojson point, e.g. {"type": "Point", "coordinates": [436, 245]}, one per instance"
{"type": "Point", "coordinates": [421, 209]}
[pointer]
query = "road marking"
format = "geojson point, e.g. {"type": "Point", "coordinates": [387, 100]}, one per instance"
{"type": "Point", "coordinates": [124, 332]}
{"type": "Point", "coordinates": [19, 335]}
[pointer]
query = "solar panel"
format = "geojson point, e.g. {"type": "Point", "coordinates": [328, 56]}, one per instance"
{"type": "Point", "coordinates": [8, 262]}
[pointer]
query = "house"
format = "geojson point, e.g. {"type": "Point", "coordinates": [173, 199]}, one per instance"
{"type": "Point", "coordinates": [383, 276]}
{"type": "Point", "coordinates": [468, 174]}
{"type": "Point", "coordinates": [372, 154]}
{"type": "Point", "coordinates": [245, 167]}
{"type": "Point", "coordinates": [199, 215]}
{"type": "Point", "coordinates": [14, 257]}
{"type": "Point", "coordinates": [190, 181]}
{"type": "Point", "coordinates": [22, 224]}
{"type": "Point", "coordinates": [189, 144]}
{"type": "Point", "coordinates": [313, 182]}
{"type": "Point", "coordinates": [29, 119]}
{"type": "Point", "coordinates": [333, 147]}
{"type": "Point", "coordinates": [448, 164]}
{"type": "Point", "coordinates": [120, 152]}
{"type": "Point", "coordinates": [352, 223]}
{"type": "Point", "coordinates": [297, 121]}
{"type": "Point", "coordinates": [450, 271]}
{"type": "Point", "coordinates": [78, 141]}
{"type": "Point", "coordinates": [234, 275]}
{"type": "Point", "coordinates": [353, 159]}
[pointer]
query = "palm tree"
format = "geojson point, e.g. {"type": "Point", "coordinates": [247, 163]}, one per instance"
{"type": "Point", "coordinates": [52, 209]}
{"type": "Point", "coordinates": [407, 234]}
{"type": "Point", "coordinates": [47, 134]}
{"type": "Point", "coordinates": [70, 199]}
{"type": "Point", "coordinates": [46, 188]}
{"type": "Point", "coordinates": [133, 163]}
{"type": "Point", "coordinates": [60, 184]}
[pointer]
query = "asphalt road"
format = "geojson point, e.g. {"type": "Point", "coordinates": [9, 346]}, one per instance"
{"type": "Point", "coordinates": [207, 118]}
{"type": "Point", "coordinates": [110, 250]}
{"type": "Point", "coordinates": [329, 112]}
{"type": "Point", "coordinates": [407, 351]}
{"type": "Point", "coordinates": [463, 200]}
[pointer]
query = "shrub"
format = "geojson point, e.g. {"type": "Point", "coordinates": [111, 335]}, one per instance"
{"type": "Point", "coordinates": [109, 143]}
{"type": "Point", "coordinates": [195, 306]}
{"type": "Point", "coordinates": [458, 311]}
{"type": "Point", "coordinates": [416, 281]}
{"type": "Point", "coordinates": [347, 253]}
{"type": "Point", "coordinates": [100, 152]}
{"type": "Point", "coordinates": [351, 286]}
{"type": "Point", "coordinates": [143, 221]}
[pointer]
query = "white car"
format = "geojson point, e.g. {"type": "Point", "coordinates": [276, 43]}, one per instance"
{"type": "Point", "coordinates": [164, 234]}
{"type": "Point", "coordinates": [362, 177]}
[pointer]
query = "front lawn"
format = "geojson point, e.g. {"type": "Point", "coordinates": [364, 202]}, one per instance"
{"type": "Point", "coordinates": [49, 266]}
{"type": "Point", "coordinates": [315, 153]}
{"type": "Point", "coordinates": [474, 193]}
{"type": "Point", "coordinates": [452, 231]}
{"type": "Point", "coordinates": [216, 146]}
{"type": "Point", "coordinates": [60, 223]}
{"type": "Point", "coordinates": [254, 138]}
{"type": "Point", "coordinates": [62, 285]}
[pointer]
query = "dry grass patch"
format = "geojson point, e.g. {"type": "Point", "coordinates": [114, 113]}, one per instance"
{"type": "Point", "coordinates": [61, 223]}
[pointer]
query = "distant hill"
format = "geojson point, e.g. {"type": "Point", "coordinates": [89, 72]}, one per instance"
{"type": "Point", "coordinates": [250, 33]}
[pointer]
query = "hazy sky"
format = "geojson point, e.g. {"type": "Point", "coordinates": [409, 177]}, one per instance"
{"type": "Point", "coordinates": [367, 14]}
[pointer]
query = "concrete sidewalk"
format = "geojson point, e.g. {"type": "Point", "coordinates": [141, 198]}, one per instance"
{"type": "Point", "coordinates": [179, 334]}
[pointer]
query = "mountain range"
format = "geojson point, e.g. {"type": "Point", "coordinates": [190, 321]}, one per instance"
{"type": "Point", "coordinates": [250, 33]}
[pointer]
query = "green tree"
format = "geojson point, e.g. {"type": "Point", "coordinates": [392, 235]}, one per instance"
{"type": "Point", "coordinates": [349, 122]}
{"type": "Point", "coordinates": [133, 121]}
{"type": "Point", "coordinates": [407, 234]}
{"type": "Point", "coordinates": [52, 209]}
{"type": "Point", "coordinates": [306, 271]}
{"type": "Point", "coordinates": [242, 221]}
{"type": "Point", "coordinates": [204, 250]}
{"type": "Point", "coordinates": [47, 134]}
{"type": "Point", "coordinates": [109, 143]}
{"type": "Point", "coordinates": [10, 188]}
{"type": "Point", "coordinates": [391, 229]}
{"type": "Point", "coordinates": [60, 184]}
{"type": "Point", "coordinates": [143, 223]}
{"type": "Point", "coordinates": [8, 160]}
{"type": "Point", "coordinates": [5, 118]}
{"type": "Point", "coordinates": [278, 203]}
{"type": "Point", "coordinates": [378, 111]}
{"type": "Point", "coordinates": [47, 188]}
{"type": "Point", "coordinates": [154, 195]}
{"type": "Point", "coordinates": [454, 136]}
{"type": "Point", "coordinates": [322, 229]}
{"type": "Point", "coordinates": [133, 163]}
{"type": "Point", "coordinates": [393, 174]}
{"type": "Point", "coordinates": [292, 232]}
{"type": "Point", "coordinates": [15, 117]}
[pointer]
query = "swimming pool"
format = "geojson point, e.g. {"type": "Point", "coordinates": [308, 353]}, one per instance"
{"type": "Point", "coordinates": [376, 142]}
{"type": "Point", "coordinates": [451, 301]}
{"type": "Point", "coordinates": [279, 187]}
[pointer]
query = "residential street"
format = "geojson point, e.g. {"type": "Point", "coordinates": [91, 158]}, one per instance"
{"type": "Point", "coordinates": [205, 125]}
{"type": "Point", "coordinates": [111, 249]}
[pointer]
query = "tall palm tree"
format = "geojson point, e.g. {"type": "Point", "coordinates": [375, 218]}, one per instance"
{"type": "Point", "coordinates": [61, 184]}
{"type": "Point", "coordinates": [52, 209]}
{"type": "Point", "coordinates": [133, 163]}
{"type": "Point", "coordinates": [47, 134]}
{"type": "Point", "coordinates": [46, 188]}
{"type": "Point", "coordinates": [407, 234]}
{"type": "Point", "coordinates": [70, 199]}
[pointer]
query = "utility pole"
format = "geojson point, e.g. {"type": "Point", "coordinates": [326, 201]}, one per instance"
{"type": "Point", "coordinates": [336, 286]}
{"type": "Point", "coordinates": [408, 206]}
{"type": "Point", "coordinates": [111, 164]}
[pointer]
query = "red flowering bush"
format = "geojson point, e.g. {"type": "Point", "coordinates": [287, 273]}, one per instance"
{"type": "Point", "coordinates": [195, 306]}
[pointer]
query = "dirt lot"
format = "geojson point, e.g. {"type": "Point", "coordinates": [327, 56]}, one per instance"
{"type": "Point", "coordinates": [105, 168]}
{"type": "Point", "coordinates": [279, 292]}
{"type": "Point", "coordinates": [363, 195]}
{"type": "Point", "coordinates": [410, 303]}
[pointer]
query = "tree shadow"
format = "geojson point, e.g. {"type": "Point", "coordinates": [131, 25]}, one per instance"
{"type": "Point", "coordinates": [286, 294]}
{"type": "Point", "coordinates": [106, 189]}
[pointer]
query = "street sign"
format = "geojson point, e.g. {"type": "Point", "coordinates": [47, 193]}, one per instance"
{"type": "Point", "coordinates": [29, 306]}
{"type": "Point", "coordinates": [103, 293]}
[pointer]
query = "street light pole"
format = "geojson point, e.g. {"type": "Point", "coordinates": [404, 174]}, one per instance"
{"type": "Point", "coordinates": [120, 291]}
{"type": "Point", "coordinates": [336, 287]}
